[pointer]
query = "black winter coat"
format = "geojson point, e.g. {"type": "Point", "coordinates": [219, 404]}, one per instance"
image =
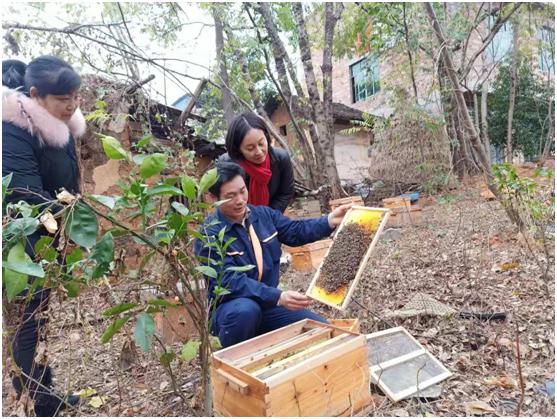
{"type": "Point", "coordinates": [281, 185]}
{"type": "Point", "coordinates": [39, 150]}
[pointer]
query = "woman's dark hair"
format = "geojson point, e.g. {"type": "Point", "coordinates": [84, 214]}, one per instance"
{"type": "Point", "coordinates": [238, 130]}
{"type": "Point", "coordinates": [226, 171]}
{"type": "Point", "coordinates": [12, 73]}
{"type": "Point", "coordinates": [50, 75]}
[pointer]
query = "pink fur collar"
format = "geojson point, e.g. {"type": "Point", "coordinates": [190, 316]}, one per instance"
{"type": "Point", "coordinates": [52, 130]}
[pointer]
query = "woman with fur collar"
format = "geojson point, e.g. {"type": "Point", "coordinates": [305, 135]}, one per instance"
{"type": "Point", "coordinates": [40, 120]}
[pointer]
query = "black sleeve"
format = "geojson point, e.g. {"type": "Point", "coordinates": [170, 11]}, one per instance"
{"type": "Point", "coordinates": [19, 157]}
{"type": "Point", "coordinates": [285, 192]}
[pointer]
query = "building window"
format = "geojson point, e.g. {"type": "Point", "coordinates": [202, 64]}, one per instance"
{"type": "Point", "coordinates": [282, 130]}
{"type": "Point", "coordinates": [502, 41]}
{"type": "Point", "coordinates": [546, 37]}
{"type": "Point", "coordinates": [364, 78]}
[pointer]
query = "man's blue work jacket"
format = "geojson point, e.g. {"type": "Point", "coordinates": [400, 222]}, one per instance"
{"type": "Point", "coordinates": [272, 229]}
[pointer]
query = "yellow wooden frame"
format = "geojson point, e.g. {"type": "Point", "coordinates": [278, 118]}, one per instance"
{"type": "Point", "coordinates": [376, 219]}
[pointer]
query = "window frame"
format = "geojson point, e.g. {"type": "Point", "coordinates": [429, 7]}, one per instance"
{"type": "Point", "coordinates": [358, 80]}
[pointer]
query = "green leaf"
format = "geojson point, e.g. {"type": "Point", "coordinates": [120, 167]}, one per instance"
{"type": "Point", "coordinates": [160, 302]}
{"type": "Point", "coordinates": [21, 227]}
{"type": "Point", "coordinates": [207, 271]}
{"type": "Point", "coordinates": [42, 244]}
{"type": "Point", "coordinates": [190, 349]}
{"type": "Point", "coordinates": [20, 262]}
{"type": "Point", "coordinates": [5, 183]}
{"type": "Point", "coordinates": [81, 226]}
{"type": "Point", "coordinates": [103, 251]}
{"type": "Point", "coordinates": [181, 208]}
{"type": "Point", "coordinates": [144, 330]}
{"type": "Point", "coordinates": [120, 308]}
{"type": "Point", "coordinates": [146, 139]}
{"type": "Point", "coordinates": [189, 186]}
{"type": "Point", "coordinates": [73, 288]}
{"type": "Point", "coordinates": [208, 180]}
{"type": "Point", "coordinates": [50, 254]}
{"type": "Point", "coordinates": [15, 282]}
{"type": "Point", "coordinates": [214, 342]}
{"type": "Point", "coordinates": [114, 327]}
{"type": "Point", "coordinates": [112, 148]}
{"type": "Point", "coordinates": [164, 190]}
{"type": "Point", "coordinates": [167, 357]}
{"type": "Point", "coordinates": [27, 268]}
{"type": "Point", "coordinates": [222, 231]}
{"type": "Point", "coordinates": [240, 268]}
{"type": "Point", "coordinates": [197, 235]}
{"type": "Point", "coordinates": [220, 291]}
{"type": "Point", "coordinates": [107, 201]}
{"type": "Point", "coordinates": [138, 158]}
{"type": "Point", "coordinates": [75, 256]}
{"type": "Point", "coordinates": [152, 165]}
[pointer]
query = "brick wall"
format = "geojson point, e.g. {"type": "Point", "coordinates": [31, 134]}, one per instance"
{"type": "Point", "coordinates": [351, 151]}
{"type": "Point", "coordinates": [394, 73]}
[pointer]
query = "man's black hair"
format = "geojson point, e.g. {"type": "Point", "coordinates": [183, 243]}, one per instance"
{"type": "Point", "coordinates": [226, 171]}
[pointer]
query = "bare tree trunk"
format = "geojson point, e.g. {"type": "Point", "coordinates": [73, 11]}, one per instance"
{"type": "Point", "coordinates": [483, 120]}
{"type": "Point", "coordinates": [292, 106]}
{"type": "Point", "coordinates": [409, 53]}
{"type": "Point", "coordinates": [279, 51]}
{"type": "Point", "coordinates": [332, 15]}
{"type": "Point", "coordinates": [550, 133]}
{"type": "Point", "coordinates": [466, 121]}
{"type": "Point", "coordinates": [223, 72]}
{"type": "Point", "coordinates": [321, 109]}
{"type": "Point", "coordinates": [512, 94]}
{"type": "Point", "coordinates": [476, 112]}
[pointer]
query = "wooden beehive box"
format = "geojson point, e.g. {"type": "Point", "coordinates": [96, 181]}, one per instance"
{"type": "Point", "coordinates": [403, 213]}
{"type": "Point", "coordinates": [305, 369]}
{"type": "Point", "coordinates": [304, 208]}
{"type": "Point", "coordinates": [373, 220]}
{"type": "Point", "coordinates": [308, 257]}
{"type": "Point", "coordinates": [356, 200]}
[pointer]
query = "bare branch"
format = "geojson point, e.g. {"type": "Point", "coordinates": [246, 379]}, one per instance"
{"type": "Point", "coordinates": [498, 25]}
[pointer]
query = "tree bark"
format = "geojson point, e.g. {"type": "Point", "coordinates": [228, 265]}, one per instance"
{"type": "Point", "coordinates": [483, 120]}
{"type": "Point", "coordinates": [321, 109]}
{"type": "Point", "coordinates": [223, 72]}
{"type": "Point", "coordinates": [512, 94]}
{"type": "Point", "coordinates": [550, 139]}
{"type": "Point", "coordinates": [467, 123]}
{"type": "Point", "coordinates": [292, 106]}
{"type": "Point", "coordinates": [409, 53]}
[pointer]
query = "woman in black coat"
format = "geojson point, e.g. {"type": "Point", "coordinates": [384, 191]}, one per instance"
{"type": "Point", "coordinates": [270, 177]}
{"type": "Point", "coordinates": [40, 120]}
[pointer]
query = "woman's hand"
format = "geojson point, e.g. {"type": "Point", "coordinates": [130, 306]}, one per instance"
{"type": "Point", "coordinates": [335, 217]}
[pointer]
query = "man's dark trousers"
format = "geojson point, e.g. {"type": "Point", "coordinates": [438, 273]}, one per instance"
{"type": "Point", "coordinates": [243, 318]}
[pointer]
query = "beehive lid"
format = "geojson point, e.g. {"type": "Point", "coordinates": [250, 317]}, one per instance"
{"type": "Point", "coordinates": [400, 365]}
{"type": "Point", "coordinates": [373, 221]}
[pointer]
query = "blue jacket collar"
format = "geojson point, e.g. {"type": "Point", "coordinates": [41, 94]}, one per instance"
{"type": "Point", "coordinates": [252, 216]}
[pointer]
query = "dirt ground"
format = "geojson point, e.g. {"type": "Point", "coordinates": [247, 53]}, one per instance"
{"type": "Point", "coordinates": [465, 254]}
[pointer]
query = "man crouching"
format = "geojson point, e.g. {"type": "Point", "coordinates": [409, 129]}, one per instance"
{"type": "Point", "coordinates": [253, 304]}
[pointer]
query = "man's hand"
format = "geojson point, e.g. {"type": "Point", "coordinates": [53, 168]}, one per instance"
{"type": "Point", "coordinates": [335, 217]}
{"type": "Point", "coordinates": [293, 300]}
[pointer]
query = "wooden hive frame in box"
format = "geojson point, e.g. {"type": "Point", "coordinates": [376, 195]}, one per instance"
{"type": "Point", "coordinates": [341, 301]}
{"type": "Point", "coordinates": [305, 369]}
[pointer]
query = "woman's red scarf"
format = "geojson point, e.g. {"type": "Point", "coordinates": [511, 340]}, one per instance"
{"type": "Point", "coordinates": [259, 177]}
